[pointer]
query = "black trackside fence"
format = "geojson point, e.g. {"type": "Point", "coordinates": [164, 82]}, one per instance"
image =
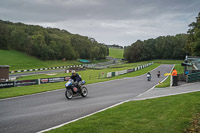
{"type": "Point", "coordinates": [32, 82]}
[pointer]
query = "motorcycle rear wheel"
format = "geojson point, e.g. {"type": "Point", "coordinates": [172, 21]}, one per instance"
{"type": "Point", "coordinates": [68, 94]}
{"type": "Point", "coordinates": [84, 92]}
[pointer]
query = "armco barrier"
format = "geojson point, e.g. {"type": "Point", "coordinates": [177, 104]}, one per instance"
{"type": "Point", "coordinates": [112, 74]}
{"type": "Point", "coordinates": [130, 70]}
{"type": "Point", "coordinates": [109, 74]}
{"type": "Point", "coordinates": [40, 69]}
{"type": "Point", "coordinates": [122, 72]}
{"type": "Point", "coordinates": [53, 80]}
{"type": "Point", "coordinates": [6, 84]}
{"type": "Point", "coordinates": [25, 82]}
{"type": "Point", "coordinates": [136, 69]}
{"type": "Point", "coordinates": [116, 73]}
{"type": "Point", "coordinates": [193, 77]}
{"type": "Point", "coordinates": [32, 82]}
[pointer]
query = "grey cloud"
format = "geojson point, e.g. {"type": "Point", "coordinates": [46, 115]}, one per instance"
{"type": "Point", "coordinates": [58, 10]}
{"type": "Point", "coordinates": [109, 21]}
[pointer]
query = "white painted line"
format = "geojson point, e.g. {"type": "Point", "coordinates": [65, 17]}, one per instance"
{"type": "Point", "coordinates": [165, 95]}
{"type": "Point", "coordinates": [154, 85]}
{"type": "Point", "coordinates": [186, 84]}
{"type": "Point", "coordinates": [83, 117]}
{"type": "Point", "coordinates": [30, 95]}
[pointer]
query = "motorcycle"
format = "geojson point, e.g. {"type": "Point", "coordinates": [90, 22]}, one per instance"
{"type": "Point", "coordinates": [158, 74]}
{"type": "Point", "coordinates": [148, 77]}
{"type": "Point", "coordinates": [74, 90]}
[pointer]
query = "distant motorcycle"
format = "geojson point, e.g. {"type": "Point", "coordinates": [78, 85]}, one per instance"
{"type": "Point", "coordinates": [148, 77]}
{"type": "Point", "coordinates": [74, 90]}
{"type": "Point", "coordinates": [158, 74]}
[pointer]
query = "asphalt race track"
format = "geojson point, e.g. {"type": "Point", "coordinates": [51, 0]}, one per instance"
{"type": "Point", "coordinates": [41, 111]}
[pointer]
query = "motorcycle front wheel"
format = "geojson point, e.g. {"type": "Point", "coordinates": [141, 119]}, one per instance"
{"type": "Point", "coordinates": [84, 92]}
{"type": "Point", "coordinates": [68, 94]}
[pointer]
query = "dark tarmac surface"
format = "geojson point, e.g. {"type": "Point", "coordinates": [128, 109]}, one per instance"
{"type": "Point", "coordinates": [37, 112]}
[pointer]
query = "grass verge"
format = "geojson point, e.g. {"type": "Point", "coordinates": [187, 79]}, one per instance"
{"type": "Point", "coordinates": [166, 83]}
{"type": "Point", "coordinates": [20, 61]}
{"type": "Point", "coordinates": [170, 114]}
{"type": "Point", "coordinates": [116, 52]}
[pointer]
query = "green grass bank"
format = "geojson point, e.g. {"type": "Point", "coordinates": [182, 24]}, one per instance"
{"type": "Point", "coordinates": [19, 61]}
{"type": "Point", "coordinates": [166, 83]}
{"type": "Point", "coordinates": [170, 114]}
{"type": "Point", "coordinates": [116, 53]}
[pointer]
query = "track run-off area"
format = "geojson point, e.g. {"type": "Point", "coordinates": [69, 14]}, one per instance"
{"type": "Point", "coordinates": [34, 113]}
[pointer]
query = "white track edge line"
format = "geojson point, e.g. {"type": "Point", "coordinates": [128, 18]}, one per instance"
{"type": "Point", "coordinates": [165, 95]}
{"type": "Point", "coordinates": [83, 117]}
{"type": "Point", "coordinates": [154, 85]}
{"type": "Point", "coordinates": [30, 95]}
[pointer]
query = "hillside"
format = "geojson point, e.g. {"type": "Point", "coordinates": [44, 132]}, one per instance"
{"type": "Point", "coordinates": [49, 43]}
{"type": "Point", "coordinates": [18, 61]}
{"type": "Point", "coordinates": [116, 52]}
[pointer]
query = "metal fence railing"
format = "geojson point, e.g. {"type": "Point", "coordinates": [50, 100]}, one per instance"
{"type": "Point", "coordinates": [193, 77]}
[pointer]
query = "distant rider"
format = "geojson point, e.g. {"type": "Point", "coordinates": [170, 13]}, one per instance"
{"type": "Point", "coordinates": [149, 73]}
{"type": "Point", "coordinates": [158, 74]}
{"type": "Point", "coordinates": [149, 76]}
{"type": "Point", "coordinates": [77, 79]}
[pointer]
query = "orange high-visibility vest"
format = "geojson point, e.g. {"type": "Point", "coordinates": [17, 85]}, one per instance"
{"type": "Point", "coordinates": [174, 73]}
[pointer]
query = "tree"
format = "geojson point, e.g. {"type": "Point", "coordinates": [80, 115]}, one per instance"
{"type": "Point", "coordinates": [49, 43]}
{"type": "Point", "coordinates": [134, 53]}
{"type": "Point", "coordinates": [4, 36]}
{"type": "Point", "coordinates": [163, 47]}
{"type": "Point", "coordinates": [193, 42]}
{"type": "Point", "coordinates": [18, 40]}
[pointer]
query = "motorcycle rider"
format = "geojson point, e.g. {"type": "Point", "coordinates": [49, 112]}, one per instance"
{"type": "Point", "coordinates": [158, 74]}
{"type": "Point", "coordinates": [149, 76]}
{"type": "Point", "coordinates": [77, 79]}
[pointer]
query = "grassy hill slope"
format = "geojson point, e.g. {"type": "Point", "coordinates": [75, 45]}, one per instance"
{"type": "Point", "coordinates": [116, 52]}
{"type": "Point", "coordinates": [18, 60]}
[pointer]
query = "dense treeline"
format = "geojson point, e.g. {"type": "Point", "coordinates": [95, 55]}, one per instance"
{"type": "Point", "coordinates": [115, 46]}
{"type": "Point", "coordinates": [193, 42]}
{"type": "Point", "coordinates": [163, 47]}
{"type": "Point", "coordinates": [49, 43]}
{"type": "Point", "coordinates": [166, 47]}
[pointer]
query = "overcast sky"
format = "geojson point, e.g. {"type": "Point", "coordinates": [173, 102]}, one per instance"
{"type": "Point", "coordinates": [108, 21]}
